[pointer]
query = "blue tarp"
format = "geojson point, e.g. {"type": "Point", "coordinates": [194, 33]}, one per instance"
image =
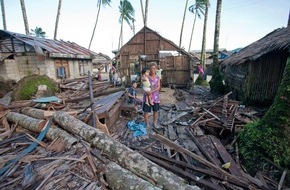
{"type": "Point", "coordinates": [47, 99]}
{"type": "Point", "coordinates": [139, 128]}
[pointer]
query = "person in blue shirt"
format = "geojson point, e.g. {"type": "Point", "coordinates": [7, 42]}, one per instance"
{"type": "Point", "coordinates": [132, 96]}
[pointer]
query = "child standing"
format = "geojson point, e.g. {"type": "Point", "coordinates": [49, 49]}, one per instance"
{"type": "Point", "coordinates": [146, 85]}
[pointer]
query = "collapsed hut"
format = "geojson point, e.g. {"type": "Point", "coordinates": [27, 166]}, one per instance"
{"type": "Point", "coordinates": [149, 46]}
{"type": "Point", "coordinates": [254, 74]}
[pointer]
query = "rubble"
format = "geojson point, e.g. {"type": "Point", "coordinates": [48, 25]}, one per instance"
{"type": "Point", "coordinates": [52, 145]}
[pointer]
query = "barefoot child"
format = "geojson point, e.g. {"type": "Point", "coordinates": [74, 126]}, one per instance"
{"type": "Point", "coordinates": [146, 85]}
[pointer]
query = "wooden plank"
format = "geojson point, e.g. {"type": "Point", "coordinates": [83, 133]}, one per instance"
{"type": "Point", "coordinates": [226, 157]}
{"type": "Point", "coordinates": [174, 118]}
{"type": "Point", "coordinates": [201, 148]}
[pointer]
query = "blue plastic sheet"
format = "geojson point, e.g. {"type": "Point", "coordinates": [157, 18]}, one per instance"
{"type": "Point", "coordinates": [138, 128]}
{"type": "Point", "coordinates": [47, 99]}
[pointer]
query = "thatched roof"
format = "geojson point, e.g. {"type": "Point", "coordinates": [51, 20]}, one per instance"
{"type": "Point", "coordinates": [278, 40]}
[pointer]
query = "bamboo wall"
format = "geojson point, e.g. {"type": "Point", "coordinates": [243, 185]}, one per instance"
{"type": "Point", "coordinates": [257, 82]}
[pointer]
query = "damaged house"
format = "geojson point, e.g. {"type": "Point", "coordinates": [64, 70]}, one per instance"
{"type": "Point", "coordinates": [148, 46]}
{"type": "Point", "coordinates": [22, 55]}
{"type": "Point", "coordinates": [254, 73]}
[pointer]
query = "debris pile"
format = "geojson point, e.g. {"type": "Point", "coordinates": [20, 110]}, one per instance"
{"type": "Point", "coordinates": [49, 144]}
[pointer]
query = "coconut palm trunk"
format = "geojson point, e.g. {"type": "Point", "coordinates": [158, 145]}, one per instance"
{"type": "Point", "coordinates": [216, 82]}
{"type": "Point", "coordinates": [202, 58]}
{"type": "Point", "coordinates": [96, 22]}
{"type": "Point", "coordinates": [3, 15]}
{"type": "Point", "coordinates": [142, 10]}
{"type": "Point", "coordinates": [146, 12]}
{"type": "Point", "coordinates": [189, 46]}
{"type": "Point", "coordinates": [182, 25]}
{"type": "Point", "coordinates": [57, 19]}
{"type": "Point", "coordinates": [100, 2]}
{"type": "Point", "coordinates": [24, 17]}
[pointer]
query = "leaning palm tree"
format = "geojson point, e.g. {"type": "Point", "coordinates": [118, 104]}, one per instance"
{"type": "Point", "coordinates": [180, 39]}
{"type": "Point", "coordinates": [197, 9]}
{"type": "Point", "coordinates": [24, 17]}
{"type": "Point", "coordinates": [127, 13]}
{"type": "Point", "coordinates": [57, 19]}
{"type": "Point", "coordinates": [100, 2]}
{"type": "Point", "coordinates": [3, 14]}
{"type": "Point", "coordinates": [202, 58]}
{"type": "Point", "coordinates": [216, 83]}
{"type": "Point", "coordinates": [38, 32]}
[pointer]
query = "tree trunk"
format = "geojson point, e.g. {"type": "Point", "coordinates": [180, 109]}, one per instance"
{"type": "Point", "coordinates": [36, 125]}
{"type": "Point", "coordinates": [57, 19]}
{"type": "Point", "coordinates": [29, 123]}
{"type": "Point", "coordinates": [100, 3]}
{"type": "Point", "coordinates": [146, 12]}
{"type": "Point", "coordinates": [3, 15]}
{"type": "Point", "coordinates": [121, 154]}
{"type": "Point", "coordinates": [120, 178]}
{"type": "Point", "coordinates": [121, 31]}
{"type": "Point", "coordinates": [216, 83]}
{"type": "Point", "coordinates": [142, 9]}
{"type": "Point", "coordinates": [192, 32]}
{"type": "Point", "coordinates": [24, 17]}
{"type": "Point", "coordinates": [185, 9]}
{"type": "Point", "coordinates": [203, 47]}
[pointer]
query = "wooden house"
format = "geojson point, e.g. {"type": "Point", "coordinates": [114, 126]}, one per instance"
{"type": "Point", "coordinates": [147, 46]}
{"type": "Point", "coordinates": [22, 55]}
{"type": "Point", "coordinates": [255, 72]}
{"type": "Point", "coordinates": [101, 61]}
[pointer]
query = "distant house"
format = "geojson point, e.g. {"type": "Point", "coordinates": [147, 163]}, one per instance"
{"type": "Point", "coordinates": [255, 72]}
{"type": "Point", "coordinates": [22, 55]}
{"type": "Point", "coordinates": [101, 61]}
{"type": "Point", "coordinates": [148, 46]}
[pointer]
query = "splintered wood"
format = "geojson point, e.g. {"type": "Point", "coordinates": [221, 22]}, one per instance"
{"type": "Point", "coordinates": [189, 151]}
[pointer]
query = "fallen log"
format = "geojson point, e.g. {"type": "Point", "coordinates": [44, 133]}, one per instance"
{"type": "Point", "coordinates": [129, 159]}
{"type": "Point", "coordinates": [26, 122]}
{"type": "Point", "coordinates": [120, 178]}
{"type": "Point", "coordinates": [40, 114]}
{"type": "Point", "coordinates": [36, 125]}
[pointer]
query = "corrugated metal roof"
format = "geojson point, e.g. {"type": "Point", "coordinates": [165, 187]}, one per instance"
{"type": "Point", "coordinates": [52, 46]}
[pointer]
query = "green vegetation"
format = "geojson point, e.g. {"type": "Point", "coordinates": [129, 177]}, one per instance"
{"type": "Point", "coordinates": [27, 87]}
{"type": "Point", "coordinates": [216, 82]}
{"type": "Point", "coordinates": [201, 81]}
{"type": "Point", "coordinates": [258, 142]}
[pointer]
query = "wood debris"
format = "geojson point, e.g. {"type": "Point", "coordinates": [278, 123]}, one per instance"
{"type": "Point", "coordinates": [196, 139]}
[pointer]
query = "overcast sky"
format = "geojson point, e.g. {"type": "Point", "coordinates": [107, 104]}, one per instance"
{"type": "Point", "coordinates": [242, 21]}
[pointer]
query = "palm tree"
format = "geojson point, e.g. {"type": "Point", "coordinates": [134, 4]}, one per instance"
{"type": "Point", "coordinates": [197, 9]}
{"type": "Point", "coordinates": [146, 12]}
{"type": "Point", "coordinates": [202, 58]}
{"type": "Point", "coordinates": [24, 17]}
{"type": "Point", "coordinates": [142, 10]}
{"type": "Point", "coordinates": [38, 32]}
{"type": "Point", "coordinates": [100, 2]}
{"type": "Point", "coordinates": [3, 14]}
{"type": "Point", "coordinates": [127, 13]}
{"type": "Point", "coordinates": [57, 19]}
{"type": "Point", "coordinates": [180, 39]}
{"type": "Point", "coordinates": [216, 84]}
